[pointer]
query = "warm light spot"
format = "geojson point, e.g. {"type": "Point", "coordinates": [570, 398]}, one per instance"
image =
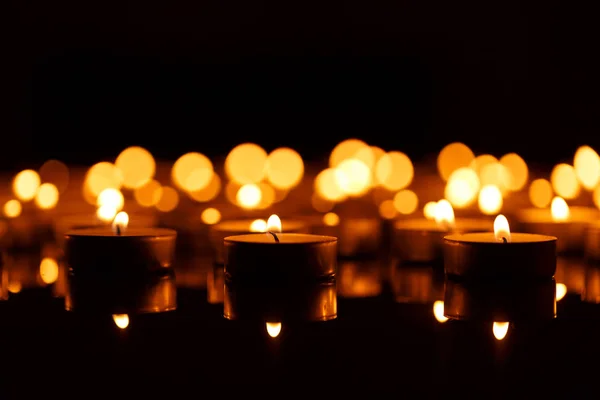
{"type": "Point", "coordinates": [481, 161]}
{"type": "Point", "coordinates": [349, 149]}
{"type": "Point", "coordinates": [169, 199]}
{"type": "Point", "coordinates": [387, 209]}
{"type": "Point", "coordinates": [119, 224]}
{"type": "Point", "coordinates": [331, 219]}
{"type": "Point", "coordinates": [495, 174]}
{"type": "Point", "coordinates": [121, 320]}
{"type": "Point", "coordinates": [149, 194]}
{"type": "Point", "coordinates": [490, 200]}
{"type": "Point", "coordinates": [12, 208]}
{"type": "Point", "coordinates": [231, 190]}
{"type": "Point", "coordinates": [49, 270]}
{"type": "Point", "coordinates": [274, 223]}
{"type": "Point", "coordinates": [452, 157]}
{"type": "Point", "coordinates": [394, 171]}
{"type": "Point", "coordinates": [106, 213]}
{"type": "Point", "coordinates": [209, 192]}
{"type": "Point", "coordinates": [245, 163]}
{"type": "Point", "coordinates": [518, 173]}
{"type": "Point", "coordinates": [596, 196]}
{"type": "Point", "coordinates": [111, 198]}
{"type": "Point", "coordinates": [258, 225]}
{"type": "Point", "coordinates": [540, 193]}
{"type": "Point", "coordinates": [367, 155]}
{"type": "Point", "coordinates": [406, 202]}
{"type": "Point", "coordinates": [14, 287]}
{"type": "Point", "coordinates": [137, 166]}
{"type": "Point", "coordinates": [564, 181]}
{"type": "Point", "coordinates": [320, 204]}
{"type": "Point", "coordinates": [267, 196]}
{"type": "Point", "coordinates": [46, 196]}
{"type": "Point", "coordinates": [25, 184]}
{"type": "Point", "coordinates": [280, 194]}
{"type": "Point", "coordinates": [559, 209]}
{"type": "Point", "coordinates": [587, 167]}
{"type": "Point", "coordinates": [500, 329]}
{"type": "Point", "coordinates": [102, 175]}
{"type": "Point", "coordinates": [273, 329]}
{"type": "Point", "coordinates": [249, 196]}
{"type": "Point", "coordinates": [502, 229]}
{"type": "Point", "coordinates": [429, 210]}
{"type": "Point", "coordinates": [353, 177]}
{"type": "Point", "coordinates": [284, 168]}
{"type": "Point", "coordinates": [561, 291]}
{"type": "Point", "coordinates": [56, 172]}
{"type": "Point", "coordinates": [444, 213]}
{"type": "Point", "coordinates": [438, 311]}
{"type": "Point", "coordinates": [192, 172]}
{"type": "Point", "coordinates": [210, 216]}
{"type": "Point", "coordinates": [462, 187]}
{"type": "Point", "coordinates": [326, 185]}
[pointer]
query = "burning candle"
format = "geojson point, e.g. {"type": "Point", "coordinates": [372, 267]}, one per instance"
{"type": "Point", "coordinates": [568, 224]}
{"type": "Point", "coordinates": [500, 254]}
{"type": "Point", "coordinates": [357, 236]}
{"type": "Point", "coordinates": [421, 240]}
{"type": "Point", "coordinates": [276, 254]}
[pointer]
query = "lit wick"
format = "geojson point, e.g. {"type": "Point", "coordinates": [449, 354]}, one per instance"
{"type": "Point", "coordinates": [274, 236]}
{"type": "Point", "coordinates": [274, 225]}
{"type": "Point", "coordinates": [118, 227]}
{"type": "Point", "coordinates": [504, 239]}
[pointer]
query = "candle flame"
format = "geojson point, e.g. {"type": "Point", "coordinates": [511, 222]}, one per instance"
{"type": "Point", "coordinates": [258, 225]}
{"type": "Point", "coordinates": [273, 329]}
{"type": "Point", "coordinates": [561, 291]}
{"type": "Point", "coordinates": [121, 320]}
{"type": "Point", "coordinates": [501, 229]}
{"type": "Point", "coordinates": [559, 209]}
{"type": "Point", "coordinates": [444, 213]}
{"type": "Point", "coordinates": [274, 224]}
{"type": "Point", "coordinates": [500, 329]}
{"type": "Point", "coordinates": [438, 311]}
{"type": "Point", "coordinates": [120, 222]}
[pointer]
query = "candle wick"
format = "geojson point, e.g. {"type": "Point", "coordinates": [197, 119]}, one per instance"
{"type": "Point", "coordinates": [274, 236]}
{"type": "Point", "coordinates": [504, 239]}
{"type": "Point", "coordinates": [118, 229]}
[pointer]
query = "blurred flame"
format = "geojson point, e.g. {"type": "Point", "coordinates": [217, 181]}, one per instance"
{"type": "Point", "coordinates": [559, 209]}
{"type": "Point", "coordinates": [490, 199]}
{"type": "Point", "coordinates": [331, 219]}
{"type": "Point", "coordinates": [500, 329]}
{"type": "Point", "coordinates": [540, 193]}
{"type": "Point", "coordinates": [120, 222]}
{"type": "Point", "coordinates": [210, 216]}
{"type": "Point", "coordinates": [121, 320]}
{"type": "Point", "coordinates": [387, 209]}
{"type": "Point", "coordinates": [169, 199]}
{"type": "Point", "coordinates": [462, 187]}
{"type": "Point", "coordinates": [49, 270]}
{"type": "Point", "coordinates": [274, 224]}
{"type": "Point", "coordinates": [249, 196]}
{"type": "Point", "coordinates": [452, 157]}
{"type": "Point", "coordinates": [444, 214]}
{"type": "Point", "coordinates": [106, 213]}
{"type": "Point", "coordinates": [502, 229]}
{"type": "Point", "coordinates": [246, 163]}
{"type": "Point", "coordinates": [406, 201]}
{"type": "Point", "coordinates": [284, 168]}
{"type": "Point", "coordinates": [353, 176]}
{"type": "Point", "coordinates": [25, 184]}
{"type": "Point", "coordinates": [587, 167]}
{"type": "Point", "coordinates": [273, 329]}
{"type": "Point", "coordinates": [564, 181]}
{"type": "Point", "coordinates": [192, 172]}
{"type": "Point", "coordinates": [429, 210]}
{"type": "Point", "coordinates": [46, 196]}
{"type": "Point", "coordinates": [137, 166]}
{"type": "Point", "coordinates": [561, 291]}
{"type": "Point", "coordinates": [12, 208]}
{"type": "Point", "coordinates": [112, 198]}
{"type": "Point", "coordinates": [258, 225]}
{"type": "Point", "coordinates": [394, 171]}
{"type": "Point", "coordinates": [438, 311]}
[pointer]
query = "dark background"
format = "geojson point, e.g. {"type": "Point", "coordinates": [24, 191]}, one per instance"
{"type": "Point", "coordinates": [87, 79]}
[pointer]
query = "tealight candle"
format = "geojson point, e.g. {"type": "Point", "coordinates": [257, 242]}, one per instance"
{"type": "Point", "coordinates": [592, 242]}
{"type": "Point", "coordinates": [421, 240]}
{"type": "Point", "coordinates": [500, 254]}
{"type": "Point", "coordinates": [568, 224]}
{"type": "Point", "coordinates": [279, 255]}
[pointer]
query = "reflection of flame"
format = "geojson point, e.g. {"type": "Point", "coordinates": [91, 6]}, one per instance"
{"type": "Point", "coordinates": [273, 329]}
{"type": "Point", "coordinates": [120, 222]}
{"type": "Point", "coordinates": [121, 320]}
{"type": "Point", "coordinates": [438, 311]}
{"type": "Point", "coordinates": [429, 210]}
{"type": "Point", "coordinates": [274, 224]}
{"type": "Point", "coordinates": [500, 329]}
{"type": "Point", "coordinates": [559, 209]}
{"type": "Point", "coordinates": [49, 270]}
{"type": "Point", "coordinates": [258, 225]}
{"type": "Point", "coordinates": [444, 213]}
{"type": "Point", "coordinates": [561, 291]}
{"type": "Point", "coordinates": [501, 228]}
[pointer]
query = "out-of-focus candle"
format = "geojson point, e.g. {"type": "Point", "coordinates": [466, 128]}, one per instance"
{"type": "Point", "coordinates": [359, 279]}
{"type": "Point", "coordinates": [592, 242]}
{"type": "Point", "coordinates": [357, 236]}
{"type": "Point", "coordinates": [416, 284]}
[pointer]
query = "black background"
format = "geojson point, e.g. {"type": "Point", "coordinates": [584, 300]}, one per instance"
{"type": "Point", "coordinates": [87, 79]}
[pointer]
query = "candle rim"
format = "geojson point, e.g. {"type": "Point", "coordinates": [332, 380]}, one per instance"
{"type": "Point", "coordinates": [416, 224]}
{"type": "Point", "coordinates": [225, 226]}
{"type": "Point", "coordinates": [317, 239]}
{"type": "Point", "coordinates": [130, 232]}
{"type": "Point", "coordinates": [470, 238]}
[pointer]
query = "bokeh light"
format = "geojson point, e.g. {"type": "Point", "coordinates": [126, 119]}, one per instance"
{"type": "Point", "coordinates": [267, 196]}
{"type": "Point", "coordinates": [169, 199]}
{"type": "Point", "coordinates": [258, 225]}
{"type": "Point", "coordinates": [394, 171]}
{"type": "Point", "coordinates": [490, 200]}
{"type": "Point", "coordinates": [148, 195]}
{"type": "Point", "coordinates": [351, 149]}
{"type": "Point", "coordinates": [192, 172]}
{"type": "Point", "coordinates": [106, 213]}
{"type": "Point", "coordinates": [353, 176]}
{"type": "Point", "coordinates": [209, 192]}
{"type": "Point", "coordinates": [210, 216]}
{"type": "Point", "coordinates": [246, 163]}
{"type": "Point", "coordinates": [462, 187]}
{"type": "Point", "coordinates": [136, 165]}
{"type": "Point", "coordinates": [12, 208]}
{"type": "Point", "coordinates": [564, 181]}
{"type": "Point", "coordinates": [559, 209]}
{"type": "Point", "coordinates": [387, 209]}
{"type": "Point", "coordinates": [429, 210]}
{"type": "Point", "coordinates": [248, 196]}
{"type": "Point", "coordinates": [406, 202]}
{"type": "Point", "coordinates": [452, 157]}
{"type": "Point", "coordinates": [587, 167]}
{"type": "Point", "coordinates": [326, 185]}
{"type": "Point", "coordinates": [540, 193]}
{"type": "Point", "coordinates": [49, 270]}
{"type": "Point", "coordinates": [112, 198]}
{"type": "Point", "coordinates": [481, 161]}
{"type": "Point", "coordinates": [331, 219]}
{"type": "Point", "coordinates": [495, 173]}
{"type": "Point", "coordinates": [284, 168]}
{"type": "Point", "coordinates": [47, 196]}
{"type": "Point", "coordinates": [320, 204]}
{"type": "Point", "coordinates": [57, 173]}
{"type": "Point", "coordinates": [25, 185]}
{"type": "Point", "coordinates": [100, 176]}
{"type": "Point", "coordinates": [518, 173]}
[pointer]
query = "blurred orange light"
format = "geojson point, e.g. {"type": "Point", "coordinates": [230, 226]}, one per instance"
{"type": "Point", "coordinates": [452, 157]}
{"type": "Point", "coordinates": [168, 200]}
{"type": "Point", "coordinates": [136, 165]}
{"type": "Point", "coordinates": [192, 172]}
{"type": "Point", "coordinates": [12, 208]}
{"type": "Point", "coordinates": [46, 196]}
{"type": "Point", "coordinates": [246, 163]}
{"type": "Point", "coordinates": [284, 168]}
{"type": "Point", "coordinates": [25, 184]}
{"type": "Point", "coordinates": [210, 216]}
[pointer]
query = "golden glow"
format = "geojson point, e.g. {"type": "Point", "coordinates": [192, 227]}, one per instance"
{"type": "Point", "coordinates": [285, 168]}
{"type": "Point", "coordinates": [273, 329]}
{"type": "Point", "coordinates": [249, 196]}
{"type": "Point", "coordinates": [596, 196]}
{"type": "Point", "coordinates": [112, 198]}
{"type": "Point", "coordinates": [353, 176]}
{"type": "Point", "coordinates": [444, 213]}
{"type": "Point", "coordinates": [561, 291]}
{"type": "Point", "coordinates": [495, 174]}
{"type": "Point", "coordinates": [351, 149]}
{"type": "Point", "coordinates": [101, 176]}
{"type": "Point", "coordinates": [267, 196]}
{"type": "Point", "coordinates": [149, 194]}
{"type": "Point", "coordinates": [438, 311]}
{"type": "Point", "coordinates": [429, 210]}
{"type": "Point", "coordinates": [169, 199]}
{"type": "Point", "coordinates": [564, 181]}
{"type": "Point", "coordinates": [55, 172]}
{"type": "Point", "coordinates": [480, 161]}
{"type": "Point", "coordinates": [559, 209]}
{"type": "Point", "coordinates": [25, 184]}
{"type": "Point", "coordinates": [106, 213]}
{"type": "Point", "coordinates": [462, 187]}
{"type": "Point", "coordinates": [331, 219]}
{"type": "Point", "coordinates": [121, 320]}
{"type": "Point", "coordinates": [46, 196]}
{"type": "Point", "coordinates": [406, 202]}
{"type": "Point", "coordinates": [12, 208]}
{"type": "Point", "coordinates": [246, 163]}
{"type": "Point", "coordinates": [320, 204]}
{"type": "Point", "coordinates": [394, 171]}
{"type": "Point", "coordinates": [120, 222]}
{"type": "Point", "coordinates": [540, 193]}
{"type": "Point", "coordinates": [14, 286]}
{"type": "Point", "coordinates": [192, 172]}
{"type": "Point", "coordinates": [258, 225]}
{"type": "Point", "coordinates": [518, 173]}
{"type": "Point", "coordinates": [587, 167]}
{"type": "Point", "coordinates": [48, 270]}
{"type": "Point", "coordinates": [210, 216]}
{"type": "Point", "coordinates": [327, 186]}
{"type": "Point", "coordinates": [490, 200]}
{"type": "Point", "coordinates": [452, 157]}
{"type": "Point", "coordinates": [209, 192]}
{"type": "Point", "coordinates": [137, 166]}
{"type": "Point", "coordinates": [500, 329]}
{"type": "Point", "coordinates": [501, 229]}
{"type": "Point", "coordinates": [387, 209]}
{"type": "Point", "coordinates": [274, 223]}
